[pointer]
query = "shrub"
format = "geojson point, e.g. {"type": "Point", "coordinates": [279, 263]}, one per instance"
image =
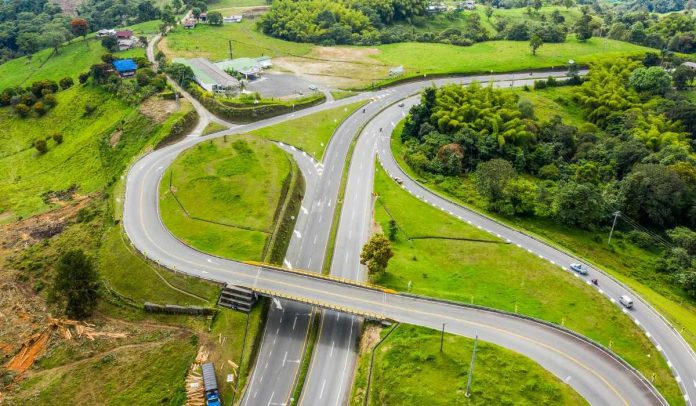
{"type": "Point", "coordinates": [22, 109]}
{"type": "Point", "coordinates": [639, 238]}
{"type": "Point", "coordinates": [66, 82]}
{"type": "Point", "coordinates": [58, 138]}
{"type": "Point", "coordinates": [50, 100]}
{"type": "Point", "coordinates": [41, 146]}
{"type": "Point", "coordinates": [540, 84]}
{"type": "Point", "coordinates": [84, 76]}
{"type": "Point", "coordinates": [40, 108]}
{"type": "Point", "coordinates": [89, 109]}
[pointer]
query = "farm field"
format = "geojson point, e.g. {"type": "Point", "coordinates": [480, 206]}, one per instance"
{"type": "Point", "coordinates": [447, 258]}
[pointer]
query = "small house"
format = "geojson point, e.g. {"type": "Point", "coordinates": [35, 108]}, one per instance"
{"type": "Point", "coordinates": [203, 17]}
{"type": "Point", "coordinates": [190, 23]}
{"type": "Point", "coordinates": [125, 67]}
{"type": "Point", "coordinates": [124, 44]}
{"type": "Point", "coordinates": [106, 33]}
{"type": "Point", "coordinates": [690, 65]}
{"type": "Point", "coordinates": [437, 8]}
{"type": "Point", "coordinates": [125, 34]}
{"type": "Point", "coordinates": [264, 62]}
{"type": "Point", "coordinates": [233, 19]}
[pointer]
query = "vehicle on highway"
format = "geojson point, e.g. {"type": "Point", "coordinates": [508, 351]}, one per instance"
{"type": "Point", "coordinates": [579, 268]}
{"type": "Point", "coordinates": [401, 104]}
{"type": "Point", "coordinates": [212, 395]}
{"type": "Point", "coordinates": [398, 180]}
{"type": "Point", "coordinates": [626, 301]}
{"type": "Point", "coordinates": [312, 87]}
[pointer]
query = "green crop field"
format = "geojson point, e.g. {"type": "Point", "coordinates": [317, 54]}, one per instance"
{"type": "Point", "coordinates": [310, 133]}
{"type": "Point", "coordinates": [484, 270]}
{"type": "Point", "coordinates": [410, 370]}
{"type": "Point", "coordinates": [212, 181]}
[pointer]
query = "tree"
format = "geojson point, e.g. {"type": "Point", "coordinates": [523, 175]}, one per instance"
{"type": "Point", "coordinates": [652, 80]}
{"type": "Point", "coordinates": [54, 35]}
{"type": "Point", "coordinates": [57, 137]}
{"type": "Point", "coordinates": [684, 238]}
{"type": "Point", "coordinates": [519, 197]}
{"type": "Point", "coordinates": [653, 193]}
{"type": "Point", "coordinates": [393, 230]}
{"type": "Point", "coordinates": [682, 77]}
{"type": "Point", "coordinates": [110, 43]}
{"type": "Point", "coordinates": [29, 43]}
{"type": "Point", "coordinates": [568, 3]}
{"type": "Point", "coordinates": [168, 18]}
{"type": "Point", "coordinates": [376, 254]}
{"type": "Point", "coordinates": [40, 108]}
{"type": "Point", "coordinates": [578, 205]}
{"type": "Point", "coordinates": [79, 27]}
{"type": "Point", "coordinates": [535, 42]}
{"type": "Point", "coordinates": [491, 178]}
{"type": "Point", "coordinates": [215, 18]}
{"type": "Point", "coordinates": [41, 146]}
{"type": "Point", "coordinates": [66, 82]}
{"type": "Point", "coordinates": [583, 27]}
{"type": "Point", "coordinates": [196, 12]}
{"type": "Point", "coordinates": [687, 280]}
{"type": "Point", "coordinates": [76, 284]}
{"type": "Point", "coordinates": [489, 12]}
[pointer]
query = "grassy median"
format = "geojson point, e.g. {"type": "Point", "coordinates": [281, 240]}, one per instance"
{"type": "Point", "coordinates": [409, 369]}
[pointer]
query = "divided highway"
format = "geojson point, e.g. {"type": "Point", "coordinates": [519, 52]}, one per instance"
{"type": "Point", "coordinates": [596, 375]}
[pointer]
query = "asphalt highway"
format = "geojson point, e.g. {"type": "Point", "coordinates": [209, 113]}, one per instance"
{"type": "Point", "coordinates": [597, 376]}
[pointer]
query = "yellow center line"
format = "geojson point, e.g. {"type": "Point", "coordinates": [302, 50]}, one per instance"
{"type": "Point", "coordinates": [370, 302]}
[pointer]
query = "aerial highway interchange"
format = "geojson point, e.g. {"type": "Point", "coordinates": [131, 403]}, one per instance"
{"type": "Point", "coordinates": [599, 376]}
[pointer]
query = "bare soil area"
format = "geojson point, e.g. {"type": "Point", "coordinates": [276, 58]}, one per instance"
{"type": "Point", "coordinates": [338, 67]}
{"type": "Point", "coordinates": [158, 109]}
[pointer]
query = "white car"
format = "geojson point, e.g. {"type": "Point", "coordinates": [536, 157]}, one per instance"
{"type": "Point", "coordinates": [398, 180]}
{"type": "Point", "coordinates": [626, 301]}
{"type": "Point", "coordinates": [579, 268]}
{"type": "Point", "coordinates": [401, 104]}
{"type": "Point", "coordinates": [312, 87]}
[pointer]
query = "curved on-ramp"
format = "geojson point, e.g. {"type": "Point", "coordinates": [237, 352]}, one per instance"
{"type": "Point", "coordinates": [596, 375]}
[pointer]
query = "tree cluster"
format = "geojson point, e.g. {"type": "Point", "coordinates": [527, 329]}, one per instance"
{"type": "Point", "coordinates": [27, 26]}
{"type": "Point", "coordinates": [39, 97]}
{"type": "Point", "coordinates": [133, 90]}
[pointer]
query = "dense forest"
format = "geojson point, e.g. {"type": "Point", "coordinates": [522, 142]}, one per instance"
{"type": "Point", "coordinates": [635, 154]}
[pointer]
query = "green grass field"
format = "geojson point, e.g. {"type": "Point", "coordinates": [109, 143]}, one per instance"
{"type": "Point", "coordinates": [310, 133]}
{"type": "Point", "coordinates": [94, 148]}
{"type": "Point", "coordinates": [212, 181]}
{"type": "Point", "coordinates": [410, 370]}
{"type": "Point", "coordinates": [211, 42]}
{"type": "Point", "coordinates": [72, 59]}
{"type": "Point", "coordinates": [484, 270]}
{"type": "Point", "coordinates": [499, 56]}
{"type": "Point", "coordinates": [220, 4]}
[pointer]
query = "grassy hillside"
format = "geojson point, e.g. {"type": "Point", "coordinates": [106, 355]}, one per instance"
{"type": "Point", "coordinates": [213, 181]}
{"type": "Point", "coordinates": [409, 369]}
{"type": "Point", "coordinates": [460, 262]}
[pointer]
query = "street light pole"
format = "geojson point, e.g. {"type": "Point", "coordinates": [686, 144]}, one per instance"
{"type": "Point", "coordinates": [471, 368]}
{"type": "Point", "coordinates": [616, 216]}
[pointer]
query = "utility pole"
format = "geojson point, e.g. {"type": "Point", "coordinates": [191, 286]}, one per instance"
{"type": "Point", "coordinates": [616, 216]}
{"type": "Point", "coordinates": [229, 43]}
{"type": "Point", "coordinates": [471, 368]}
{"type": "Point", "coordinates": [442, 336]}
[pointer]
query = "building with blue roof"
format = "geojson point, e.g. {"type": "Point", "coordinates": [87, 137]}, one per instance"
{"type": "Point", "coordinates": [125, 67]}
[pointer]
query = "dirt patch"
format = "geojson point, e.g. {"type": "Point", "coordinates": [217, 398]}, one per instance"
{"type": "Point", "coordinates": [340, 67]}
{"type": "Point", "coordinates": [158, 109]}
{"type": "Point", "coordinates": [370, 337]}
{"type": "Point", "coordinates": [115, 138]}
{"type": "Point", "coordinates": [31, 349]}
{"type": "Point", "coordinates": [28, 232]}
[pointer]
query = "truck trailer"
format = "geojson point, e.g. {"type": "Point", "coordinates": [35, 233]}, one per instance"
{"type": "Point", "coordinates": [212, 395]}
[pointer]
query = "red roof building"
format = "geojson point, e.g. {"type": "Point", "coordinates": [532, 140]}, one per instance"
{"type": "Point", "coordinates": [125, 34]}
